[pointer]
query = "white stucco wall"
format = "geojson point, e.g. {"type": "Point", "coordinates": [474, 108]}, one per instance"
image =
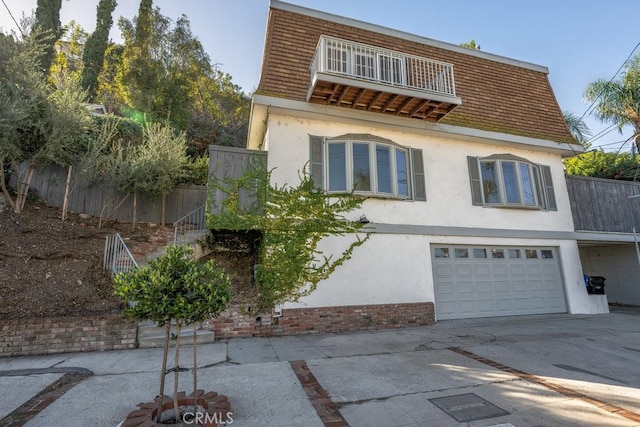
{"type": "Point", "coordinates": [619, 265]}
{"type": "Point", "coordinates": [447, 177]}
{"type": "Point", "coordinates": [396, 268]}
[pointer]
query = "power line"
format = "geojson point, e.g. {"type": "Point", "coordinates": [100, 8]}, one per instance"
{"type": "Point", "coordinates": [602, 133]}
{"type": "Point", "coordinates": [14, 19]}
{"type": "Point", "coordinates": [610, 80]}
{"type": "Point", "coordinates": [613, 143]}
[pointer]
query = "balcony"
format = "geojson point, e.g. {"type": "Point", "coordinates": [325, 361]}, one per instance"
{"type": "Point", "coordinates": [363, 77]}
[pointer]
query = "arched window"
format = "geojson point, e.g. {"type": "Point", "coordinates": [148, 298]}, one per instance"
{"type": "Point", "coordinates": [510, 181]}
{"type": "Point", "coordinates": [367, 165]}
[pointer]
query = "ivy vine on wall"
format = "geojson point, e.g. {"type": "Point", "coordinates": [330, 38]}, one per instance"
{"type": "Point", "coordinates": [293, 221]}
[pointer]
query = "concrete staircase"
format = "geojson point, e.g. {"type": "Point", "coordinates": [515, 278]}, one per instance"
{"type": "Point", "coordinates": [187, 231]}
{"type": "Point", "coordinates": [151, 336]}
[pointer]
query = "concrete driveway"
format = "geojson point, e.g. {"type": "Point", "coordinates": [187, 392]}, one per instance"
{"type": "Point", "coordinates": [548, 370]}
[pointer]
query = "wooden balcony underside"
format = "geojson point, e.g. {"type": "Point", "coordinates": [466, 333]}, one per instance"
{"type": "Point", "coordinates": [420, 106]}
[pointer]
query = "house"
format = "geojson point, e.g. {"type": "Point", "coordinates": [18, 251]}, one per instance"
{"type": "Point", "coordinates": [458, 153]}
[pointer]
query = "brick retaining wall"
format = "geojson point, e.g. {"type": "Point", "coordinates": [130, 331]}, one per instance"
{"type": "Point", "coordinates": [235, 324]}
{"type": "Point", "coordinates": [23, 337]}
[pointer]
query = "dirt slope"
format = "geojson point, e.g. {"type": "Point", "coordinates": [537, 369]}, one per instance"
{"type": "Point", "coordinates": [53, 268]}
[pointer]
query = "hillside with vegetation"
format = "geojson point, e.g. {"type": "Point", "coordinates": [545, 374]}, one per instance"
{"type": "Point", "coordinates": [134, 117]}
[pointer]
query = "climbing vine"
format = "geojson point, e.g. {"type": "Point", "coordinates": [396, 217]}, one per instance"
{"type": "Point", "coordinates": [293, 221]}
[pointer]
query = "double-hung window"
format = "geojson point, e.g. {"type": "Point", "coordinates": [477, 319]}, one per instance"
{"type": "Point", "coordinates": [509, 181]}
{"type": "Point", "coordinates": [367, 165]}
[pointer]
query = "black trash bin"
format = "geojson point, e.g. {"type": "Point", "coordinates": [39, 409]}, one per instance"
{"type": "Point", "coordinates": [596, 285]}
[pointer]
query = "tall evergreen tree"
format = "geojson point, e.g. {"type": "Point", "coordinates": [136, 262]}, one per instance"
{"type": "Point", "coordinates": [48, 21]}
{"type": "Point", "coordinates": [140, 72]}
{"type": "Point", "coordinates": [143, 23]}
{"type": "Point", "coordinates": [96, 46]}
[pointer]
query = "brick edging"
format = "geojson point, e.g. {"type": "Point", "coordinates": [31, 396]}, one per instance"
{"type": "Point", "coordinates": [326, 409]}
{"type": "Point", "coordinates": [50, 335]}
{"type": "Point", "coordinates": [46, 397]}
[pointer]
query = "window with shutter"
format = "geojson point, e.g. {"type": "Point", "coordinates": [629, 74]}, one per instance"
{"type": "Point", "coordinates": [509, 181]}
{"type": "Point", "coordinates": [367, 165]}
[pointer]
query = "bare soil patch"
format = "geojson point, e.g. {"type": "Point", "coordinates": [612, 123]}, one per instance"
{"type": "Point", "coordinates": [53, 268]}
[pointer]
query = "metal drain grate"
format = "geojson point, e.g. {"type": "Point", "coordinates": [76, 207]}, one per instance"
{"type": "Point", "coordinates": [468, 407]}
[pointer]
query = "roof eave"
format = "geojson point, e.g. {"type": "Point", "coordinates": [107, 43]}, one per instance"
{"type": "Point", "coordinates": [263, 104]}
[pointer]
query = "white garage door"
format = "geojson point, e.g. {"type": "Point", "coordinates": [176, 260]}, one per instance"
{"type": "Point", "coordinates": [485, 281]}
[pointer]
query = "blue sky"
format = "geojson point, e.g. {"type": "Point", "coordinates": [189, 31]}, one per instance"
{"type": "Point", "coordinates": [578, 40]}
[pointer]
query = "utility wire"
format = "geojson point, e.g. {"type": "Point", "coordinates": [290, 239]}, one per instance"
{"type": "Point", "coordinates": [601, 133]}
{"type": "Point", "coordinates": [610, 80]}
{"type": "Point", "coordinates": [14, 19]}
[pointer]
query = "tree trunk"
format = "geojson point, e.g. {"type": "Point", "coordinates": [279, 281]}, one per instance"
{"type": "Point", "coordinates": [114, 210]}
{"type": "Point", "coordinates": [195, 365]}
{"type": "Point", "coordinates": [165, 353]}
{"type": "Point", "coordinates": [3, 186]}
{"type": "Point", "coordinates": [135, 209]}
{"type": "Point", "coordinates": [23, 189]}
{"type": "Point", "coordinates": [176, 372]}
{"type": "Point", "coordinates": [65, 203]}
{"type": "Point", "coordinates": [164, 209]}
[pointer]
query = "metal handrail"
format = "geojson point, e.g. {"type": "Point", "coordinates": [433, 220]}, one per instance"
{"type": "Point", "coordinates": [189, 225]}
{"type": "Point", "coordinates": [371, 63]}
{"type": "Point", "coordinates": [117, 257]}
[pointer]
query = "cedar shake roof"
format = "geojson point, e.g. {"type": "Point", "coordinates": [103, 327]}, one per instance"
{"type": "Point", "coordinates": [498, 94]}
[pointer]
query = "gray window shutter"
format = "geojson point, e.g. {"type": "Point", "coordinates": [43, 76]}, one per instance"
{"type": "Point", "coordinates": [476, 183]}
{"type": "Point", "coordinates": [316, 161]}
{"type": "Point", "coordinates": [417, 167]}
{"type": "Point", "coordinates": [548, 188]}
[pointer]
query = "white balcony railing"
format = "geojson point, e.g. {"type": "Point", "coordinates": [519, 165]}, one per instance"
{"type": "Point", "coordinates": [374, 64]}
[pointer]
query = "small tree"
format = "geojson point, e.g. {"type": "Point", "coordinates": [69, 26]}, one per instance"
{"type": "Point", "coordinates": [160, 161]}
{"type": "Point", "coordinates": [174, 287]}
{"type": "Point", "coordinates": [471, 44]}
{"type": "Point", "coordinates": [44, 123]}
{"type": "Point", "coordinates": [152, 166]}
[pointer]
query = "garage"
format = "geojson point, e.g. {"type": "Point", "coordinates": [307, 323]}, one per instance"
{"type": "Point", "coordinates": [486, 281]}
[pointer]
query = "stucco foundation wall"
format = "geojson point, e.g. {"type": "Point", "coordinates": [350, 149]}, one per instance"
{"type": "Point", "coordinates": [619, 265]}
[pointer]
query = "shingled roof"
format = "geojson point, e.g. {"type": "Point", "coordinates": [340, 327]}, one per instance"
{"type": "Point", "coordinates": [498, 94]}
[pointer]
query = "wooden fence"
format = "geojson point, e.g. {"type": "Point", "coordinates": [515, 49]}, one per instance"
{"type": "Point", "coordinates": [228, 163]}
{"type": "Point", "coordinates": [49, 184]}
{"type": "Point", "coordinates": [603, 204]}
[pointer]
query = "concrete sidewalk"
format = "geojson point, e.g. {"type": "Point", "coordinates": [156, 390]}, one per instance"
{"type": "Point", "coordinates": [550, 370]}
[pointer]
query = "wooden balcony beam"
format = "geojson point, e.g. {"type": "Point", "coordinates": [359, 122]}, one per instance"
{"type": "Point", "coordinates": [389, 102]}
{"type": "Point", "coordinates": [375, 100]}
{"type": "Point", "coordinates": [403, 105]}
{"type": "Point", "coordinates": [358, 98]}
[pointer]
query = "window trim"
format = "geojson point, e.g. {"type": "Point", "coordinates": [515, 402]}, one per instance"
{"type": "Point", "coordinates": [413, 166]}
{"type": "Point", "coordinates": [374, 175]}
{"type": "Point", "coordinates": [539, 176]}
